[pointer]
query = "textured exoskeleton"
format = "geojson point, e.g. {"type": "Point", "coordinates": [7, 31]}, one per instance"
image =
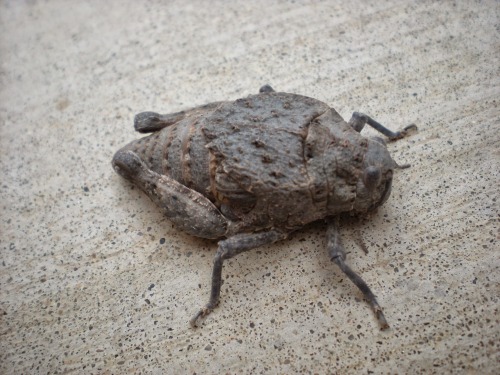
{"type": "Point", "coordinates": [255, 169]}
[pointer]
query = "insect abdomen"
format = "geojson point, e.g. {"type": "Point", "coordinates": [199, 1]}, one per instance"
{"type": "Point", "coordinates": [185, 157]}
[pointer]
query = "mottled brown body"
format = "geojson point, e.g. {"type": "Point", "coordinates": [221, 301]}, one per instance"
{"type": "Point", "coordinates": [270, 160]}
{"type": "Point", "coordinates": [255, 169]}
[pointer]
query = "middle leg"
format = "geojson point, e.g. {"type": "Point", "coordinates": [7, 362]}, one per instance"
{"type": "Point", "coordinates": [227, 249]}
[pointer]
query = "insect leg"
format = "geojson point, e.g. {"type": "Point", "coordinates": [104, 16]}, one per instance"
{"type": "Point", "coordinates": [235, 245]}
{"type": "Point", "coordinates": [358, 121]}
{"type": "Point", "coordinates": [148, 122]}
{"type": "Point", "coordinates": [266, 88]}
{"type": "Point", "coordinates": [186, 208]}
{"type": "Point", "coordinates": [337, 255]}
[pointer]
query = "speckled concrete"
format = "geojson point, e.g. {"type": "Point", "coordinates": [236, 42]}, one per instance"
{"type": "Point", "coordinates": [94, 280]}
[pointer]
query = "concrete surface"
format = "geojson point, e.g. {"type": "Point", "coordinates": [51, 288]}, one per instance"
{"type": "Point", "coordinates": [94, 280]}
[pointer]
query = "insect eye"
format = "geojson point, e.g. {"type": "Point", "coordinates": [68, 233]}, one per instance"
{"type": "Point", "coordinates": [371, 177]}
{"type": "Point", "coordinates": [387, 189]}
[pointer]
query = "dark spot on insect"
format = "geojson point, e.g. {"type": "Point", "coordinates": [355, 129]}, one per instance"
{"type": "Point", "coordinates": [309, 152]}
{"type": "Point", "coordinates": [258, 143]}
{"type": "Point", "coordinates": [276, 174]}
{"type": "Point", "coordinates": [175, 198]}
{"type": "Point", "coordinates": [266, 159]}
{"type": "Point", "coordinates": [162, 241]}
{"type": "Point", "coordinates": [242, 102]}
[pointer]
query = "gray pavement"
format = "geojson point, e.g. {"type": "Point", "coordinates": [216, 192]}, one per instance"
{"type": "Point", "coordinates": [94, 280]}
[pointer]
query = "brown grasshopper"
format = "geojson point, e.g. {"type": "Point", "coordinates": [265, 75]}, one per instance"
{"type": "Point", "coordinates": [255, 169]}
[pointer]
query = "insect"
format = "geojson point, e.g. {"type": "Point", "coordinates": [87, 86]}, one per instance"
{"type": "Point", "coordinates": [253, 170]}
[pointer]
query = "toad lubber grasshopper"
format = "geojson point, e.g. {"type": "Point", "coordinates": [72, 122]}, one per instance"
{"type": "Point", "coordinates": [253, 170]}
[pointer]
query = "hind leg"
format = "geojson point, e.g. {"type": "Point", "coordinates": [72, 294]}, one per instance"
{"type": "Point", "coordinates": [186, 208]}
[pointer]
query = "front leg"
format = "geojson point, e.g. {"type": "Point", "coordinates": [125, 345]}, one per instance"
{"type": "Point", "coordinates": [337, 255]}
{"type": "Point", "coordinates": [234, 245]}
{"type": "Point", "coordinates": [186, 208]}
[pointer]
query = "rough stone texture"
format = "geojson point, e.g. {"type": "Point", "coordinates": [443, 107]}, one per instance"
{"type": "Point", "coordinates": [95, 280]}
